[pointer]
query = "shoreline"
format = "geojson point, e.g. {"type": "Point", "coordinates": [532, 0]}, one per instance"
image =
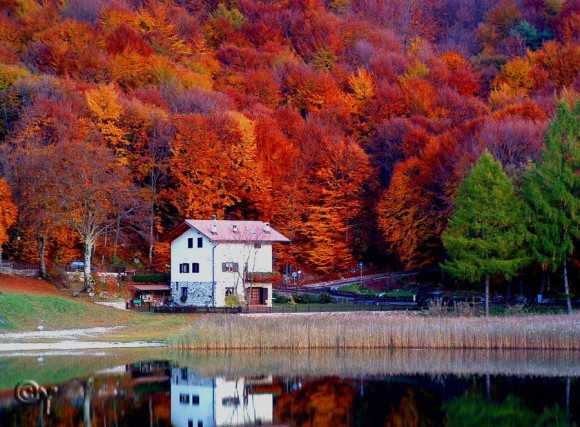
{"type": "Point", "coordinates": [76, 345]}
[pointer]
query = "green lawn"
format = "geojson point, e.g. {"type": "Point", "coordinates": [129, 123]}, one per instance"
{"type": "Point", "coordinates": [357, 288]}
{"type": "Point", "coordinates": [27, 312]}
{"type": "Point", "coordinates": [361, 290]}
{"type": "Point", "coordinates": [20, 312]}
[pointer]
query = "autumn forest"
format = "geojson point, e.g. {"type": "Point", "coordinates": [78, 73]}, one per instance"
{"type": "Point", "coordinates": [350, 125]}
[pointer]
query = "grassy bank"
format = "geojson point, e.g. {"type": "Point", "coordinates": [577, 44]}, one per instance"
{"type": "Point", "coordinates": [367, 330]}
{"type": "Point", "coordinates": [25, 312]}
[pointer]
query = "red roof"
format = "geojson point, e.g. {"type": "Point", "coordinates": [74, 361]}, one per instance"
{"type": "Point", "coordinates": [152, 287]}
{"type": "Point", "coordinates": [230, 231]}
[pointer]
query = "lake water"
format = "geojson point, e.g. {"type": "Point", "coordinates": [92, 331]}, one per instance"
{"type": "Point", "coordinates": [155, 387]}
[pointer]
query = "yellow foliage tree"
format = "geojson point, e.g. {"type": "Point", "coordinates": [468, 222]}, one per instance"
{"type": "Point", "coordinates": [103, 103]}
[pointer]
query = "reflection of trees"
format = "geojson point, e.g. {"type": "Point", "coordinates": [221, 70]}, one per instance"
{"type": "Point", "coordinates": [475, 410]}
{"type": "Point", "coordinates": [112, 400]}
{"type": "Point", "coordinates": [406, 413]}
{"type": "Point", "coordinates": [325, 402]}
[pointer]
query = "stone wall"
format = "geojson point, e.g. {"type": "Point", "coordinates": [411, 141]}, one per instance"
{"type": "Point", "coordinates": [199, 294]}
{"type": "Point", "coordinates": [18, 272]}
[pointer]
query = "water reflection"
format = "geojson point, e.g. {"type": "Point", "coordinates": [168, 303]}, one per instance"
{"type": "Point", "coordinates": [200, 401]}
{"type": "Point", "coordinates": [202, 390]}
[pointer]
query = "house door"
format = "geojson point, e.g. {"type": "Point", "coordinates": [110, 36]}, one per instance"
{"type": "Point", "coordinates": [258, 296]}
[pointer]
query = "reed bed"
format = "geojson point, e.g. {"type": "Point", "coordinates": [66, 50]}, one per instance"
{"type": "Point", "coordinates": [380, 362]}
{"type": "Point", "coordinates": [380, 330]}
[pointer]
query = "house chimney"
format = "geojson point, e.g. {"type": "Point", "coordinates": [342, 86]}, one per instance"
{"type": "Point", "coordinates": [214, 224]}
{"type": "Point", "coordinates": [235, 228]}
{"type": "Point", "coordinates": [266, 227]}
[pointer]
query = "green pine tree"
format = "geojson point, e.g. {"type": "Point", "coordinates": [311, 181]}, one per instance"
{"type": "Point", "coordinates": [486, 235]}
{"type": "Point", "coordinates": [552, 195]}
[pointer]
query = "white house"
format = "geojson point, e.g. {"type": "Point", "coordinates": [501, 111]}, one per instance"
{"type": "Point", "coordinates": [211, 259]}
{"type": "Point", "coordinates": [197, 401]}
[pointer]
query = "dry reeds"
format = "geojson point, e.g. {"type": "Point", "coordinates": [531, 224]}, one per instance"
{"type": "Point", "coordinates": [380, 330]}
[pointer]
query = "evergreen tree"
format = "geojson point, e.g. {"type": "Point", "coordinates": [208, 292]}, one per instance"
{"type": "Point", "coordinates": [552, 194]}
{"type": "Point", "coordinates": [487, 231]}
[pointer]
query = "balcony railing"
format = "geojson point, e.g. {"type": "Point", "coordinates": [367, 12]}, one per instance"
{"type": "Point", "coordinates": [263, 277]}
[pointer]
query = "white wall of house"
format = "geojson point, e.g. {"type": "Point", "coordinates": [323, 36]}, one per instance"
{"type": "Point", "coordinates": [220, 402]}
{"type": "Point", "coordinates": [192, 399]}
{"type": "Point", "coordinates": [180, 254]}
{"type": "Point", "coordinates": [224, 258]}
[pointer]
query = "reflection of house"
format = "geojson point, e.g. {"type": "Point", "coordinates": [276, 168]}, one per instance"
{"type": "Point", "coordinates": [206, 402]}
{"type": "Point", "coordinates": [211, 259]}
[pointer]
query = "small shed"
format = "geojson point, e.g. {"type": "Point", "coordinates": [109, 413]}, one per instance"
{"type": "Point", "coordinates": [150, 295]}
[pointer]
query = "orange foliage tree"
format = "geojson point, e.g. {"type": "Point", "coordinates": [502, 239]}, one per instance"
{"type": "Point", "coordinates": [215, 168]}
{"type": "Point", "coordinates": [8, 211]}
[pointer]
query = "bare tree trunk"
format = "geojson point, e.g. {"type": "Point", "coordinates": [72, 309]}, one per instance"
{"type": "Point", "coordinates": [488, 388]}
{"type": "Point", "coordinates": [117, 233]}
{"type": "Point", "coordinates": [41, 244]}
{"type": "Point", "coordinates": [487, 295]}
{"type": "Point", "coordinates": [568, 400]}
{"type": "Point", "coordinates": [88, 278]}
{"type": "Point", "coordinates": [567, 288]}
{"type": "Point", "coordinates": [88, 395]}
{"type": "Point", "coordinates": [151, 236]}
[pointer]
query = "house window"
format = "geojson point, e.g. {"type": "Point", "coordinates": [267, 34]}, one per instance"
{"type": "Point", "coordinates": [195, 399]}
{"type": "Point", "coordinates": [199, 423]}
{"type": "Point", "coordinates": [230, 267]}
{"type": "Point", "coordinates": [195, 267]}
{"type": "Point", "coordinates": [190, 242]}
{"type": "Point", "coordinates": [230, 291]}
{"type": "Point", "coordinates": [184, 374]}
{"type": "Point", "coordinates": [184, 399]}
{"type": "Point", "coordinates": [189, 423]}
{"type": "Point", "coordinates": [200, 242]}
{"type": "Point", "coordinates": [257, 245]}
{"type": "Point", "coordinates": [184, 268]}
{"type": "Point", "coordinates": [183, 293]}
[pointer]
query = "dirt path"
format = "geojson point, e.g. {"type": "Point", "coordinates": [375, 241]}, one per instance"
{"type": "Point", "coordinates": [26, 341]}
{"type": "Point", "coordinates": [57, 334]}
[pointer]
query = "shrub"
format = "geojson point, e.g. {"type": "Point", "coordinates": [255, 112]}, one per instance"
{"type": "Point", "coordinates": [233, 301]}
{"type": "Point", "coordinates": [516, 310]}
{"type": "Point", "coordinates": [466, 309]}
{"type": "Point", "coordinates": [305, 298]}
{"type": "Point", "coordinates": [280, 299]}
{"type": "Point", "coordinates": [437, 307]}
{"type": "Point", "coordinates": [151, 278]}
{"type": "Point", "coordinates": [59, 277]}
{"type": "Point", "coordinates": [324, 298]}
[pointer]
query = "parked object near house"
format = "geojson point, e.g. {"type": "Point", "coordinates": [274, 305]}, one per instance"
{"type": "Point", "coordinates": [155, 295]}
{"type": "Point", "coordinates": [212, 259]}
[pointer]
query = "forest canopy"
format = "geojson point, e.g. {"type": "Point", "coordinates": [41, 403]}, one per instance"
{"type": "Point", "coordinates": [347, 124]}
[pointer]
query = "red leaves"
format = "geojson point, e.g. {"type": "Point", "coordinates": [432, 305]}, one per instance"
{"type": "Point", "coordinates": [8, 211]}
